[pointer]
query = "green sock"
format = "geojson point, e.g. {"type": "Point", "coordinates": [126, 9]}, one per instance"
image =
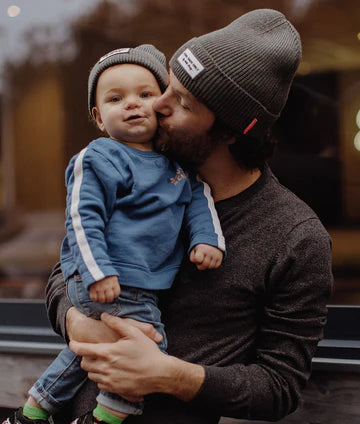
{"type": "Point", "coordinates": [34, 413]}
{"type": "Point", "coordinates": [106, 416]}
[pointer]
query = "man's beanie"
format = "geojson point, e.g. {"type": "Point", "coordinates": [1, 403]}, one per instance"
{"type": "Point", "coordinates": [145, 55]}
{"type": "Point", "coordinates": [242, 72]}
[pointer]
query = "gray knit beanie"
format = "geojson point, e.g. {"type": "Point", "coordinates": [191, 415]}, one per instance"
{"type": "Point", "coordinates": [145, 55]}
{"type": "Point", "coordinates": [242, 72]}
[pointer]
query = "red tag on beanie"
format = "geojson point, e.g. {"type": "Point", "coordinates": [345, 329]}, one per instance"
{"type": "Point", "coordinates": [248, 128]}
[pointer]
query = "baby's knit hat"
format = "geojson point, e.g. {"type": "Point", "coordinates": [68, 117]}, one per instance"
{"type": "Point", "coordinates": [145, 55]}
{"type": "Point", "coordinates": [242, 72]}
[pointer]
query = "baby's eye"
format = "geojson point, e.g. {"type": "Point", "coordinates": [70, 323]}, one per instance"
{"type": "Point", "coordinates": [116, 99]}
{"type": "Point", "coordinates": [145, 95]}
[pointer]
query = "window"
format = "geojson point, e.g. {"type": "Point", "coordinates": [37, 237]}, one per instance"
{"type": "Point", "coordinates": [48, 51]}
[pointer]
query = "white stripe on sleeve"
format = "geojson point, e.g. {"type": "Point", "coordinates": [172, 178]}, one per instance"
{"type": "Point", "coordinates": [214, 215]}
{"type": "Point", "coordinates": [80, 235]}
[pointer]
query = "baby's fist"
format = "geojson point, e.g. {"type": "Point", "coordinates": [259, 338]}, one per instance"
{"type": "Point", "coordinates": [205, 256]}
{"type": "Point", "coordinates": [105, 290]}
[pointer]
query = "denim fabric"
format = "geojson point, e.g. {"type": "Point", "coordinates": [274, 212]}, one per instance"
{"type": "Point", "coordinates": [64, 377]}
{"type": "Point", "coordinates": [60, 382]}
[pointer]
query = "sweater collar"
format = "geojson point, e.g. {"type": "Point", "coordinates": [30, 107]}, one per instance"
{"type": "Point", "coordinates": [265, 177]}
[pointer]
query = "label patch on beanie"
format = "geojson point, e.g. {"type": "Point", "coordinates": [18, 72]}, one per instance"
{"type": "Point", "coordinates": [112, 53]}
{"type": "Point", "coordinates": [190, 63]}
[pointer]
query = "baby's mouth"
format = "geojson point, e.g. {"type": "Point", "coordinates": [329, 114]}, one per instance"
{"type": "Point", "coordinates": [133, 117]}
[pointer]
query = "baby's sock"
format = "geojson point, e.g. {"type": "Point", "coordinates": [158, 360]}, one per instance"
{"type": "Point", "coordinates": [102, 414]}
{"type": "Point", "coordinates": [34, 413]}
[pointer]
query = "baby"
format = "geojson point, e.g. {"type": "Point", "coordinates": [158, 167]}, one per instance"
{"type": "Point", "coordinates": [126, 207]}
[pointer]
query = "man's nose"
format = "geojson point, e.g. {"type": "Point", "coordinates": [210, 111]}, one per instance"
{"type": "Point", "coordinates": [161, 105]}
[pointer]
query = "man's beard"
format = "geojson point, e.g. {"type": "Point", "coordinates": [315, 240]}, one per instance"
{"type": "Point", "coordinates": [190, 152]}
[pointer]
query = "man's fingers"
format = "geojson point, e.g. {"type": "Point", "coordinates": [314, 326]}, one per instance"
{"type": "Point", "coordinates": [119, 325]}
{"type": "Point", "coordinates": [109, 388]}
{"type": "Point", "coordinates": [132, 399]}
{"type": "Point", "coordinates": [95, 377]}
{"type": "Point", "coordinates": [146, 328]}
{"type": "Point", "coordinates": [104, 382]}
{"type": "Point", "coordinates": [85, 349]}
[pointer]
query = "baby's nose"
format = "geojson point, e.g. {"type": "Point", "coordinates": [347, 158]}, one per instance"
{"type": "Point", "coordinates": [132, 102]}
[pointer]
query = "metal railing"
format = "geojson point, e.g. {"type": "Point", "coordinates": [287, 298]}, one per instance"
{"type": "Point", "coordinates": [24, 328]}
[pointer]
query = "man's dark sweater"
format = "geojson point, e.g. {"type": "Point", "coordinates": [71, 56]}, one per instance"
{"type": "Point", "coordinates": [254, 323]}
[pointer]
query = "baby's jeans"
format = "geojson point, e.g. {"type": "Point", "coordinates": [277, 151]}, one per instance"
{"type": "Point", "coordinates": [64, 377]}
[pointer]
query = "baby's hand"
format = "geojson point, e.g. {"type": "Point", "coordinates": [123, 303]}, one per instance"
{"type": "Point", "coordinates": [206, 256]}
{"type": "Point", "coordinates": [105, 290]}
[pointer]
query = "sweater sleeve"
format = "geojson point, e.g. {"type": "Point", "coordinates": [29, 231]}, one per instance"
{"type": "Point", "coordinates": [57, 303]}
{"type": "Point", "coordinates": [92, 184]}
{"type": "Point", "coordinates": [294, 314]}
{"type": "Point", "coordinates": [201, 220]}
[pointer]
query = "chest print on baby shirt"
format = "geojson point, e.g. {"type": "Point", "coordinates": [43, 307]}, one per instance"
{"type": "Point", "coordinates": [180, 175]}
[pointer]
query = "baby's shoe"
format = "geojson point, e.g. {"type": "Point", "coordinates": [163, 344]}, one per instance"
{"type": "Point", "coordinates": [87, 419]}
{"type": "Point", "coordinates": [18, 418]}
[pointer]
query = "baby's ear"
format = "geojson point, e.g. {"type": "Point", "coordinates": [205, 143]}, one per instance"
{"type": "Point", "coordinates": [95, 113]}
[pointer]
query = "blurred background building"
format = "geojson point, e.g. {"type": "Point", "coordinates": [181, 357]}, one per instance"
{"type": "Point", "coordinates": [47, 50]}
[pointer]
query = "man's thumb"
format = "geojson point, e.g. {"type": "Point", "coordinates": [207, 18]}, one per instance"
{"type": "Point", "coordinates": [117, 324]}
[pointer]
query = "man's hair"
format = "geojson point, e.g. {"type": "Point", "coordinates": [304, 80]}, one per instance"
{"type": "Point", "coordinates": [252, 153]}
{"type": "Point", "coordinates": [249, 152]}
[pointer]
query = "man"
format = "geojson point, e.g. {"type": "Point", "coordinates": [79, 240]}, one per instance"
{"type": "Point", "coordinates": [241, 338]}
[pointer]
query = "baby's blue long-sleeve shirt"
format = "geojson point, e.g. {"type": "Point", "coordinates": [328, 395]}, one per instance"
{"type": "Point", "coordinates": [125, 210]}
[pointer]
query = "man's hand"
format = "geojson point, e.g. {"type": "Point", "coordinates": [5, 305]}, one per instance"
{"type": "Point", "coordinates": [134, 366]}
{"type": "Point", "coordinates": [205, 256]}
{"type": "Point", "coordinates": [83, 329]}
{"type": "Point", "coordinates": [105, 290]}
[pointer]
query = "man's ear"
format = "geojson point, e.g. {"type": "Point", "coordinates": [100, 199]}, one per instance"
{"type": "Point", "coordinates": [230, 140]}
{"type": "Point", "coordinates": [226, 136]}
{"type": "Point", "coordinates": [97, 118]}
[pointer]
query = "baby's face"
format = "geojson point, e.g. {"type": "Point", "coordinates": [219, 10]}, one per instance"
{"type": "Point", "coordinates": [124, 105]}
